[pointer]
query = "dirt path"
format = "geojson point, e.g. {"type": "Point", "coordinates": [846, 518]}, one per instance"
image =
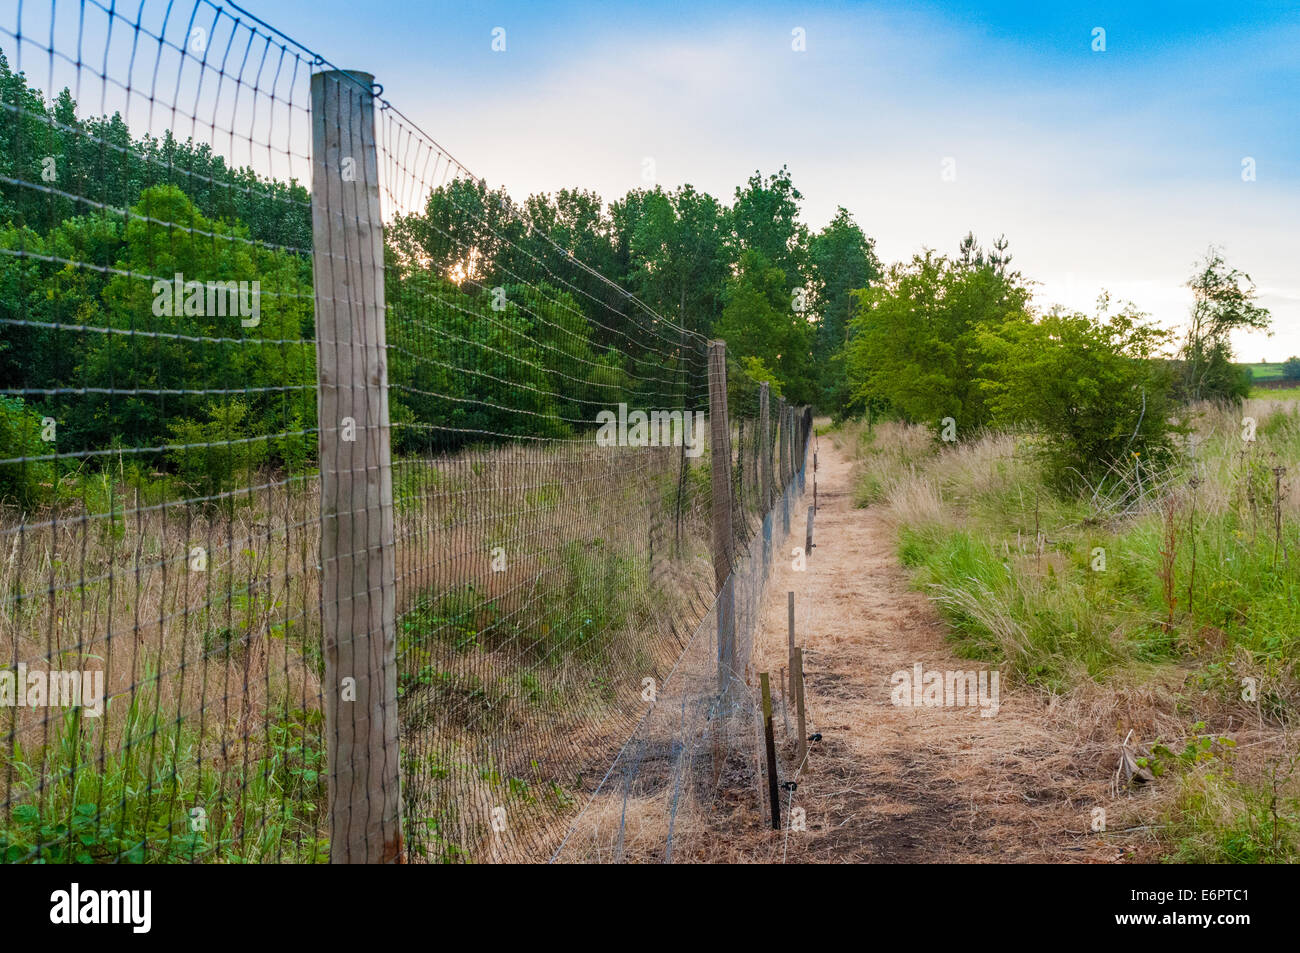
{"type": "Point", "coordinates": [909, 784]}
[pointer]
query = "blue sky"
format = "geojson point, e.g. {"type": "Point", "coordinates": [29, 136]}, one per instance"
{"type": "Point", "coordinates": [1105, 169]}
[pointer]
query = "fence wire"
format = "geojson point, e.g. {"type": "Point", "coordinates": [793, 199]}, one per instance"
{"type": "Point", "coordinates": [557, 617]}
{"type": "Point", "coordinates": [161, 621]}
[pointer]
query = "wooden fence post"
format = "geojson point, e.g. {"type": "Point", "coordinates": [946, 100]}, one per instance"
{"type": "Point", "coordinates": [796, 446]}
{"type": "Point", "coordinates": [780, 440]}
{"type": "Point", "coordinates": [801, 720]}
{"type": "Point", "coordinates": [796, 464]}
{"type": "Point", "coordinates": [720, 475]}
{"type": "Point", "coordinates": [802, 452]}
{"type": "Point", "coordinates": [357, 553]}
{"type": "Point", "coordinates": [789, 445]}
{"type": "Point", "coordinates": [765, 456]}
{"type": "Point", "coordinates": [794, 441]}
{"type": "Point", "coordinates": [784, 442]}
{"type": "Point", "coordinates": [773, 791]}
{"type": "Point", "coordinates": [789, 602]}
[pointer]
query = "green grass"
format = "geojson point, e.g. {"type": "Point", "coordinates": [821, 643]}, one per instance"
{"type": "Point", "coordinates": [473, 665]}
{"type": "Point", "coordinates": [154, 799]}
{"type": "Point", "coordinates": [1058, 617]}
{"type": "Point", "coordinates": [1216, 820]}
{"type": "Point", "coordinates": [1280, 393]}
{"type": "Point", "coordinates": [1264, 370]}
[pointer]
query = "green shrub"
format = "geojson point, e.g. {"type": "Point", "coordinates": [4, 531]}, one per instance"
{"type": "Point", "coordinates": [1092, 387]}
{"type": "Point", "coordinates": [78, 801]}
{"type": "Point", "coordinates": [31, 480]}
{"type": "Point", "coordinates": [218, 455]}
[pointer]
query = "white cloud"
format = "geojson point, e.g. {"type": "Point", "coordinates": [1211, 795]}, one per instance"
{"type": "Point", "coordinates": [1106, 181]}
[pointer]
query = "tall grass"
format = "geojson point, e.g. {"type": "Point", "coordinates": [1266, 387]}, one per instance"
{"type": "Point", "coordinates": [214, 676]}
{"type": "Point", "coordinates": [1188, 575]}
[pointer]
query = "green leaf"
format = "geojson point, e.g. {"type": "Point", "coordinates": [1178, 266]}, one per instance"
{"type": "Point", "coordinates": [26, 814]}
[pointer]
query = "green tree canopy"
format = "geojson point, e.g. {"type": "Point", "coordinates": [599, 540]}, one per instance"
{"type": "Point", "coordinates": [915, 337]}
{"type": "Point", "coordinates": [1092, 387]}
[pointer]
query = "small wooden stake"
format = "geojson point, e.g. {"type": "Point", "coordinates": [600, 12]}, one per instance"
{"type": "Point", "coordinates": [772, 790]}
{"type": "Point", "coordinates": [790, 612]}
{"type": "Point", "coordinates": [808, 543]}
{"type": "Point", "coordinates": [801, 721]}
{"type": "Point", "coordinates": [785, 703]}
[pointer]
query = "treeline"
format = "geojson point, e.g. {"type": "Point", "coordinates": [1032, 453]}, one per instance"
{"type": "Point", "coordinates": [495, 330]}
{"type": "Point", "coordinates": [750, 272]}
{"type": "Point", "coordinates": [952, 342]}
{"type": "Point", "coordinates": [513, 319]}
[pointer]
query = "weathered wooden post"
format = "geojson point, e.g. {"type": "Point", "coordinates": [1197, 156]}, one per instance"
{"type": "Point", "coordinates": [773, 791]}
{"type": "Point", "coordinates": [780, 440]}
{"type": "Point", "coordinates": [801, 451]}
{"type": "Point", "coordinates": [765, 450]}
{"type": "Point", "coordinates": [789, 602]}
{"type": "Point", "coordinates": [791, 445]}
{"type": "Point", "coordinates": [784, 420]}
{"type": "Point", "coordinates": [720, 475]}
{"type": "Point", "coordinates": [357, 553]}
{"type": "Point", "coordinates": [801, 719]}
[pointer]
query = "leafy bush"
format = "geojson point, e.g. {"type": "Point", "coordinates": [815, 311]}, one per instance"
{"type": "Point", "coordinates": [218, 454]}
{"type": "Point", "coordinates": [1093, 387]}
{"type": "Point", "coordinates": [132, 803]}
{"type": "Point", "coordinates": [30, 480]}
{"type": "Point", "coordinates": [915, 344]}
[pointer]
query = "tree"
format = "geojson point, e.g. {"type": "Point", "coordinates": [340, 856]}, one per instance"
{"type": "Point", "coordinates": [565, 229]}
{"type": "Point", "coordinates": [1291, 369]}
{"type": "Point", "coordinates": [1223, 301]}
{"type": "Point", "coordinates": [974, 257]}
{"type": "Point", "coordinates": [841, 259]}
{"type": "Point", "coordinates": [1093, 388]}
{"type": "Point", "coordinates": [758, 322]}
{"type": "Point", "coordinates": [914, 338]}
{"type": "Point", "coordinates": [679, 256]}
{"type": "Point", "coordinates": [31, 479]}
{"type": "Point", "coordinates": [765, 218]}
{"type": "Point", "coordinates": [170, 363]}
{"type": "Point", "coordinates": [465, 233]}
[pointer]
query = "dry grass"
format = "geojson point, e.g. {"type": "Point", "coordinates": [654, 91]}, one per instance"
{"type": "Point", "coordinates": [119, 596]}
{"type": "Point", "coordinates": [506, 703]}
{"type": "Point", "coordinates": [1205, 805]}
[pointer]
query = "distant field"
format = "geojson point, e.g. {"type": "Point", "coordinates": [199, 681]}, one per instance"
{"type": "Point", "coordinates": [1264, 371]}
{"type": "Point", "coordinates": [1268, 380]}
{"type": "Point", "coordinates": [1278, 393]}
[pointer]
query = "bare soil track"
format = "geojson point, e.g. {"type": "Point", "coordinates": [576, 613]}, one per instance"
{"type": "Point", "coordinates": [908, 784]}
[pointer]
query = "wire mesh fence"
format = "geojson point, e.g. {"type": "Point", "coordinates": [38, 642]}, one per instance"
{"type": "Point", "coordinates": [346, 512]}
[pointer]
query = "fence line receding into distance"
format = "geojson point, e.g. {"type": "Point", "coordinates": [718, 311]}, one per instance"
{"type": "Point", "coordinates": [345, 512]}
